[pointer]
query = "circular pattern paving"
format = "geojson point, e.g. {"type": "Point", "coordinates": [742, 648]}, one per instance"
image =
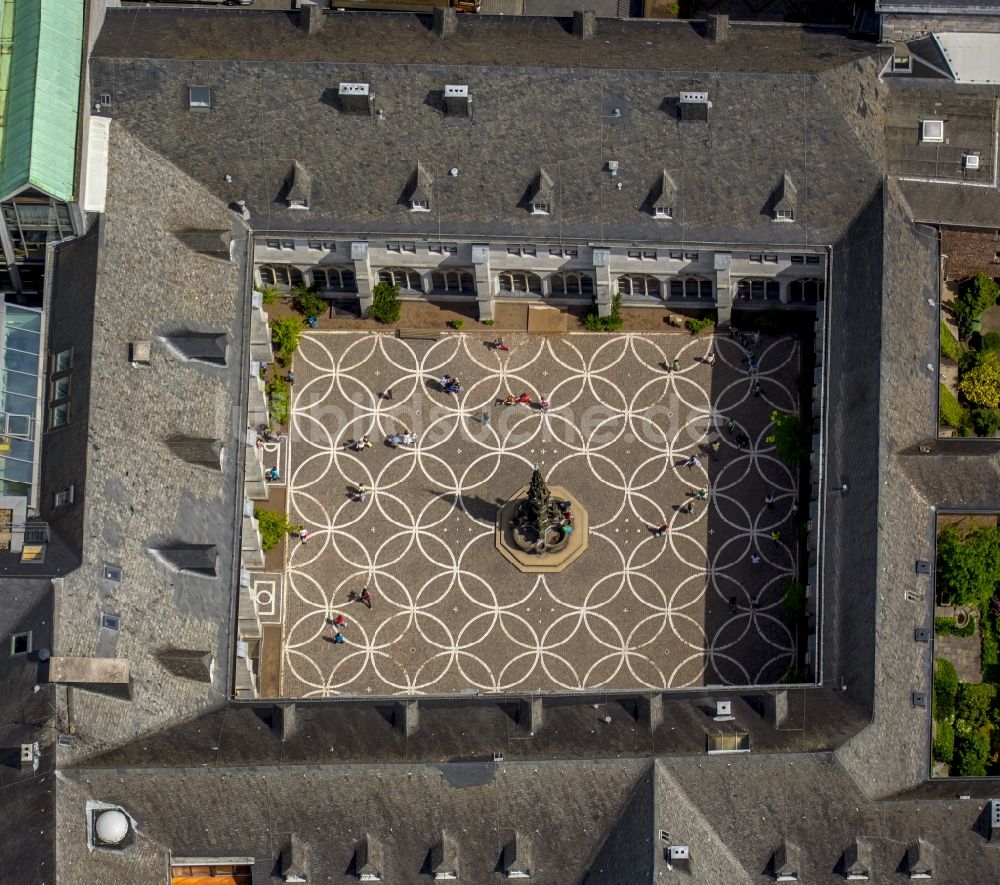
{"type": "Point", "coordinates": [702, 605]}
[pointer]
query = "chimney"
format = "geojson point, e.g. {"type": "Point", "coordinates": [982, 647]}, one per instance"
{"type": "Point", "coordinates": [457, 100]}
{"type": "Point", "coordinates": [717, 28]}
{"type": "Point", "coordinates": [311, 18]}
{"type": "Point", "coordinates": [445, 21]}
{"type": "Point", "coordinates": [584, 24]}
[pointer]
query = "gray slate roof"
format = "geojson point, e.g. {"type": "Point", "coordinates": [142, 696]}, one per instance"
{"type": "Point", "coordinates": [560, 104]}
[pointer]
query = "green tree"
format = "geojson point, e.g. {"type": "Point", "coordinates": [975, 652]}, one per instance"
{"type": "Point", "coordinates": [944, 742]}
{"type": "Point", "coordinates": [385, 304]}
{"type": "Point", "coordinates": [278, 400]}
{"type": "Point", "coordinates": [981, 384]}
{"type": "Point", "coordinates": [945, 689]}
{"type": "Point", "coordinates": [285, 334]}
{"type": "Point", "coordinates": [972, 752]}
{"type": "Point", "coordinates": [968, 566]}
{"type": "Point", "coordinates": [790, 437]}
{"type": "Point", "coordinates": [273, 527]}
{"type": "Point", "coordinates": [594, 322]}
{"type": "Point", "coordinates": [307, 302]}
{"type": "Point", "coordinates": [974, 702]}
{"type": "Point", "coordinates": [990, 341]}
{"type": "Point", "coordinates": [985, 422]}
{"type": "Point", "coordinates": [977, 295]}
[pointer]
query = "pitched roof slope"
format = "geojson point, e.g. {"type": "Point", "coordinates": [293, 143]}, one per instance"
{"type": "Point", "coordinates": [40, 95]}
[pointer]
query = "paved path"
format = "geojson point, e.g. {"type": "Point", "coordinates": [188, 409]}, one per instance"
{"type": "Point", "coordinates": [450, 614]}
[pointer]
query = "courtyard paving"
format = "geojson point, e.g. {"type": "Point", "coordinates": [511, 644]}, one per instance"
{"type": "Point", "coordinates": [449, 614]}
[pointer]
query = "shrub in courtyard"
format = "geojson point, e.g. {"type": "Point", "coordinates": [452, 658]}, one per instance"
{"type": "Point", "coordinates": [981, 384]}
{"type": "Point", "coordinates": [285, 334]}
{"type": "Point", "coordinates": [385, 304]}
{"type": "Point", "coordinates": [976, 295]}
{"type": "Point", "coordinates": [950, 347]}
{"type": "Point", "coordinates": [972, 752]}
{"type": "Point", "coordinates": [456, 324]}
{"type": "Point", "coordinates": [990, 647]}
{"type": "Point", "coordinates": [952, 413]}
{"type": "Point", "coordinates": [949, 627]}
{"type": "Point", "coordinates": [696, 327]}
{"type": "Point", "coordinates": [990, 341]}
{"type": "Point", "coordinates": [795, 600]}
{"type": "Point", "coordinates": [307, 302]}
{"type": "Point", "coordinates": [278, 400]}
{"type": "Point", "coordinates": [273, 527]}
{"type": "Point", "coordinates": [943, 749]}
{"type": "Point", "coordinates": [985, 422]}
{"type": "Point", "coordinates": [790, 437]}
{"type": "Point", "coordinates": [968, 565]}
{"type": "Point", "coordinates": [270, 295]}
{"type": "Point", "coordinates": [945, 689]}
{"type": "Point", "coordinates": [593, 322]}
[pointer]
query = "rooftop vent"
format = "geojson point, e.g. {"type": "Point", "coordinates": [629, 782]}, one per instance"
{"type": "Point", "coordinates": [542, 194]}
{"type": "Point", "coordinates": [693, 104]}
{"type": "Point", "coordinates": [784, 201]}
{"type": "Point", "coordinates": [31, 755]}
{"type": "Point", "coordinates": [678, 856]}
{"type": "Point", "coordinates": [444, 859]}
{"type": "Point", "coordinates": [663, 196]}
{"type": "Point", "coordinates": [457, 101]}
{"type": "Point", "coordinates": [355, 98]}
{"type": "Point", "coordinates": [197, 450]}
{"type": "Point", "coordinates": [293, 861]}
{"type": "Point", "coordinates": [858, 861]}
{"type": "Point", "coordinates": [368, 860]}
{"type": "Point", "coordinates": [420, 192]}
{"type": "Point", "coordinates": [932, 131]}
{"type": "Point", "coordinates": [516, 858]}
{"type": "Point", "coordinates": [139, 353]}
{"type": "Point", "coordinates": [109, 827]}
{"type": "Point", "coordinates": [970, 161]}
{"type": "Point", "coordinates": [723, 711]}
{"type": "Point", "coordinates": [299, 187]}
{"type": "Point", "coordinates": [192, 559]}
{"type": "Point", "coordinates": [203, 347]}
{"type": "Point", "coordinates": [187, 663]}
{"type": "Point", "coordinates": [717, 28]}
{"type": "Point", "coordinates": [786, 862]}
{"type": "Point", "coordinates": [919, 860]}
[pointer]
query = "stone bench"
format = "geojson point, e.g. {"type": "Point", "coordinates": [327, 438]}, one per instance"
{"type": "Point", "coordinates": [418, 334]}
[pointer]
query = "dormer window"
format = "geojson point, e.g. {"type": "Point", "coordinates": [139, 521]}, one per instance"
{"type": "Point", "coordinates": [541, 194]}
{"type": "Point", "coordinates": [419, 206]}
{"type": "Point", "coordinates": [784, 215]}
{"type": "Point", "coordinates": [932, 131]}
{"type": "Point", "coordinates": [663, 212]}
{"type": "Point", "coordinates": [540, 208]}
{"type": "Point", "coordinates": [902, 64]}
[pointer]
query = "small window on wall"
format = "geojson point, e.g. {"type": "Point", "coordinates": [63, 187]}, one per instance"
{"type": "Point", "coordinates": [64, 497]}
{"type": "Point", "coordinates": [59, 415]}
{"type": "Point", "coordinates": [199, 97]}
{"type": "Point", "coordinates": [20, 643]}
{"type": "Point", "coordinates": [62, 361]}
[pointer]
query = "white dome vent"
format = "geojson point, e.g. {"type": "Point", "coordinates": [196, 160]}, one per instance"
{"type": "Point", "coordinates": [111, 827]}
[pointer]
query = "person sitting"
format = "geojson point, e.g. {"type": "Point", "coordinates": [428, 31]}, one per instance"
{"type": "Point", "coordinates": [543, 405]}
{"type": "Point", "coordinates": [408, 438]}
{"type": "Point", "coordinates": [273, 474]}
{"type": "Point", "coordinates": [524, 399]}
{"type": "Point", "coordinates": [508, 400]}
{"type": "Point", "coordinates": [501, 345]}
{"type": "Point", "coordinates": [566, 527]}
{"type": "Point", "coordinates": [394, 440]}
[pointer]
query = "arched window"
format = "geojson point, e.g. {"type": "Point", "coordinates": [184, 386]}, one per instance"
{"type": "Point", "coordinates": [520, 283]}
{"type": "Point", "coordinates": [639, 285]}
{"type": "Point", "coordinates": [402, 277]}
{"type": "Point", "coordinates": [571, 284]}
{"type": "Point", "coordinates": [808, 291]}
{"type": "Point", "coordinates": [332, 278]}
{"type": "Point", "coordinates": [453, 281]}
{"type": "Point", "coordinates": [751, 289]}
{"type": "Point", "coordinates": [691, 287]}
{"type": "Point", "coordinates": [280, 275]}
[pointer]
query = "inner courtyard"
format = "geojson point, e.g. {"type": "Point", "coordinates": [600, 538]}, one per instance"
{"type": "Point", "coordinates": [640, 428]}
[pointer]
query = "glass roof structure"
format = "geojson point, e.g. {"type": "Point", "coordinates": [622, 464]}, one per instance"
{"type": "Point", "coordinates": [20, 373]}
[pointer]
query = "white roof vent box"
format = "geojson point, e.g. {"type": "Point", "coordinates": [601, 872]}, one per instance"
{"type": "Point", "coordinates": [970, 161]}
{"type": "Point", "coordinates": [693, 103]}
{"type": "Point", "coordinates": [457, 101]}
{"type": "Point", "coordinates": [356, 98]}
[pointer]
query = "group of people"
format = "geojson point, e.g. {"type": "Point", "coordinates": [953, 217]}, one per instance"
{"type": "Point", "coordinates": [451, 385]}
{"type": "Point", "coordinates": [339, 622]}
{"type": "Point", "coordinates": [524, 399]}
{"type": "Point", "coordinates": [359, 445]}
{"type": "Point", "coordinates": [401, 439]}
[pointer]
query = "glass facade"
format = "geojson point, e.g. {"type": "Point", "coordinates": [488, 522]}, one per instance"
{"type": "Point", "coordinates": [21, 367]}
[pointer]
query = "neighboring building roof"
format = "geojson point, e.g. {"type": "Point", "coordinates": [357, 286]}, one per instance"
{"type": "Point", "coordinates": [552, 107]}
{"type": "Point", "coordinates": [939, 7]}
{"type": "Point", "coordinates": [972, 57]}
{"type": "Point", "coordinates": [40, 95]}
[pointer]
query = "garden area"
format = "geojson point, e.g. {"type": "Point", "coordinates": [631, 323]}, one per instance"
{"type": "Point", "coordinates": [966, 714]}
{"type": "Point", "coordinates": [970, 359]}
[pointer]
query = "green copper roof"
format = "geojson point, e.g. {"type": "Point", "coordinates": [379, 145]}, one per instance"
{"type": "Point", "coordinates": [41, 54]}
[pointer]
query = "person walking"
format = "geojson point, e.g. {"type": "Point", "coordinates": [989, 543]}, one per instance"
{"type": "Point", "coordinates": [388, 394]}
{"type": "Point", "coordinates": [754, 559]}
{"type": "Point", "coordinates": [775, 537]}
{"type": "Point", "coordinates": [662, 530]}
{"type": "Point", "coordinates": [715, 447]}
{"type": "Point", "coordinates": [710, 358]}
{"type": "Point", "coordinates": [702, 494]}
{"type": "Point", "coordinates": [757, 389]}
{"type": "Point", "coordinates": [304, 535]}
{"type": "Point", "coordinates": [688, 508]}
{"type": "Point", "coordinates": [676, 365]}
{"type": "Point", "coordinates": [730, 425]}
{"type": "Point", "coordinates": [366, 598]}
{"type": "Point", "coordinates": [769, 501]}
{"type": "Point", "coordinates": [484, 419]}
{"type": "Point", "coordinates": [693, 461]}
{"type": "Point", "coordinates": [339, 638]}
{"type": "Point", "coordinates": [339, 622]}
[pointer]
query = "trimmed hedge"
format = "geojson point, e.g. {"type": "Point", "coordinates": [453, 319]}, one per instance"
{"type": "Point", "coordinates": [696, 327]}
{"type": "Point", "coordinates": [950, 411]}
{"type": "Point", "coordinates": [950, 347]}
{"type": "Point", "coordinates": [943, 748]}
{"type": "Point", "coordinates": [945, 689]}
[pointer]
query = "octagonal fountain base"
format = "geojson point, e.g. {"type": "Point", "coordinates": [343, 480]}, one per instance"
{"type": "Point", "coordinates": [541, 563]}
